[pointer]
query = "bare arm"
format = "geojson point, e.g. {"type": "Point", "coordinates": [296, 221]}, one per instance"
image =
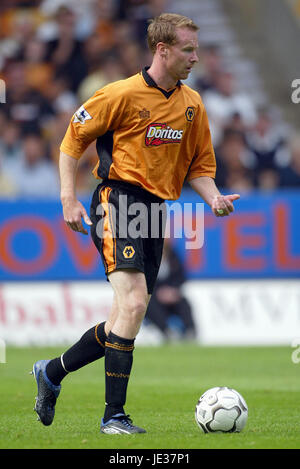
{"type": "Point", "coordinates": [221, 205]}
{"type": "Point", "coordinates": [73, 210]}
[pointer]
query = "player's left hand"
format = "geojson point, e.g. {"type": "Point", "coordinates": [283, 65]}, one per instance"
{"type": "Point", "coordinates": [222, 205]}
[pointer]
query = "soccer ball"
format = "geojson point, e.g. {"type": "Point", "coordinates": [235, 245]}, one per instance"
{"type": "Point", "coordinates": [221, 409]}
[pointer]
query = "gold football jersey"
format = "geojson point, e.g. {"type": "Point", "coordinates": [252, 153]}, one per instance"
{"type": "Point", "coordinates": [144, 135]}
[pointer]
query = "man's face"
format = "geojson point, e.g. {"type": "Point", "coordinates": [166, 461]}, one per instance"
{"type": "Point", "coordinates": [182, 56]}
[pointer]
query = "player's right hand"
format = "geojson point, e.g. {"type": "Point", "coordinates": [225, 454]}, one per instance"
{"type": "Point", "coordinates": [74, 211]}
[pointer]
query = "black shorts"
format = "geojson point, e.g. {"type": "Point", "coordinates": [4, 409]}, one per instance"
{"type": "Point", "coordinates": [128, 228]}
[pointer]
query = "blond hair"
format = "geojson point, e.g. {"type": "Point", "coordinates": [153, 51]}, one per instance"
{"type": "Point", "coordinates": [163, 29]}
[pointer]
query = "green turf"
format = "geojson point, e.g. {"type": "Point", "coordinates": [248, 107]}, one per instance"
{"type": "Point", "coordinates": [165, 385]}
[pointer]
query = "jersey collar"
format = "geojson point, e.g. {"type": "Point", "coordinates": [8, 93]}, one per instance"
{"type": "Point", "coordinates": [150, 82]}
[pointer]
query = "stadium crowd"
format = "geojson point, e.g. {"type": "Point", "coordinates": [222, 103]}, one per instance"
{"type": "Point", "coordinates": [54, 54]}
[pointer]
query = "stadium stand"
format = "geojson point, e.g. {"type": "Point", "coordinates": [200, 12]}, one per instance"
{"type": "Point", "coordinates": [55, 54]}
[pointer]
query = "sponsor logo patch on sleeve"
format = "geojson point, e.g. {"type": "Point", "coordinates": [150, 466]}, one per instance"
{"type": "Point", "coordinates": [81, 115]}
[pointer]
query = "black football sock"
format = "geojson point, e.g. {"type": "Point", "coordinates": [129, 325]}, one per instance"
{"type": "Point", "coordinates": [118, 363]}
{"type": "Point", "coordinates": [89, 348]}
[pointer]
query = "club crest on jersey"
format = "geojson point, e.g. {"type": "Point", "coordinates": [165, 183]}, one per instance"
{"type": "Point", "coordinates": [159, 134]}
{"type": "Point", "coordinates": [81, 115]}
{"type": "Point", "coordinates": [190, 113]}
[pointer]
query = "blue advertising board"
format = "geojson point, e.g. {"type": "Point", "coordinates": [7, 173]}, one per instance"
{"type": "Point", "coordinates": [261, 239]}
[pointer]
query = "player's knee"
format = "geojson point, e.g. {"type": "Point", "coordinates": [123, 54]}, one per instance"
{"type": "Point", "coordinates": [137, 307]}
{"type": "Point", "coordinates": [134, 307]}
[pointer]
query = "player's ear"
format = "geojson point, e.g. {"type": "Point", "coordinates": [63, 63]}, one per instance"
{"type": "Point", "coordinates": [162, 50]}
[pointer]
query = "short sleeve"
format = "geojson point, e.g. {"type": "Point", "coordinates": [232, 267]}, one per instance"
{"type": "Point", "coordinates": [204, 161]}
{"type": "Point", "coordinates": [99, 114]}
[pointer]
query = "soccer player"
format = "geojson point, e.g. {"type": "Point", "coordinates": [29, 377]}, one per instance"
{"type": "Point", "coordinates": [151, 133]}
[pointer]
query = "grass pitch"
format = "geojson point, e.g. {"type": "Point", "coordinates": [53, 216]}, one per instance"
{"type": "Point", "coordinates": [165, 385]}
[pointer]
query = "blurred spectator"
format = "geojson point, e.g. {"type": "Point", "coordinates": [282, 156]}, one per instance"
{"type": "Point", "coordinates": [131, 57]}
{"type": "Point", "coordinates": [34, 174]}
{"type": "Point", "coordinates": [10, 143]}
{"type": "Point", "coordinates": [138, 12]}
{"type": "Point", "coordinates": [224, 102]}
{"type": "Point", "coordinates": [8, 153]}
{"type": "Point", "coordinates": [211, 65]}
{"type": "Point", "coordinates": [290, 175]}
{"type": "Point", "coordinates": [3, 120]}
{"type": "Point", "coordinates": [235, 163]}
{"type": "Point", "coordinates": [266, 142]}
{"type": "Point", "coordinates": [17, 26]}
{"type": "Point", "coordinates": [107, 15]}
{"type": "Point", "coordinates": [39, 73]}
{"type": "Point", "coordinates": [86, 16]}
{"type": "Point", "coordinates": [25, 105]}
{"type": "Point", "coordinates": [168, 304]}
{"type": "Point", "coordinates": [123, 33]}
{"type": "Point", "coordinates": [8, 187]}
{"type": "Point", "coordinates": [110, 70]}
{"type": "Point", "coordinates": [61, 97]}
{"type": "Point", "coordinates": [96, 50]}
{"type": "Point", "coordinates": [65, 52]}
{"type": "Point", "coordinates": [56, 131]}
{"type": "Point", "coordinates": [267, 180]}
